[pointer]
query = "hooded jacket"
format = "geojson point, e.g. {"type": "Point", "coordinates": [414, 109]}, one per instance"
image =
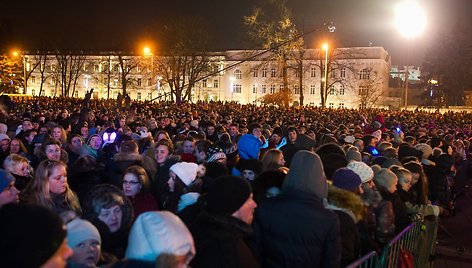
{"type": "Point", "coordinates": [294, 229]}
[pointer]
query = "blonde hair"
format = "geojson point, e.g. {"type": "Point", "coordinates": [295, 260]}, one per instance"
{"type": "Point", "coordinates": [270, 159]}
{"type": "Point", "coordinates": [12, 160]}
{"type": "Point", "coordinates": [401, 172]}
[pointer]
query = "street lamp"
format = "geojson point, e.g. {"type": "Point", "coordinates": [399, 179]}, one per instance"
{"type": "Point", "coordinates": [23, 60]}
{"type": "Point", "coordinates": [148, 53]}
{"type": "Point", "coordinates": [325, 48]}
{"type": "Point", "coordinates": [410, 20]}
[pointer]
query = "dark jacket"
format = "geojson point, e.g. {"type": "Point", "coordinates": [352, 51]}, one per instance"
{"type": "Point", "coordinates": [221, 241]}
{"type": "Point", "coordinates": [399, 209]}
{"type": "Point", "coordinates": [121, 161]}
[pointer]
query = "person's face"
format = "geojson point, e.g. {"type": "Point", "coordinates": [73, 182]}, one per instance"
{"type": "Point", "coordinates": [30, 137]}
{"type": "Point", "coordinates": [57, 133]}
{"type": "Point", "coordinates": [370, 184]}
{"type": "Point", "coordinates": [5, 145]}
{"type": "Point", "coordinates": [131, 184]}
{"type": "Point", "coordinates": [21, 169]}
{"type": "Point", "coordinates": [246, 211]}
{"type": "Point", "coordinates": [257, 132]}
{"type": "Point", "coordinates": [281, 161]}
{"type": "Point", "coordinates": [87, 253]}
{"type": "Point", "coordinates": [210, 130]}
{"type": "Point", "coordinates": [59, 259]}
{"type": "Point", "coordinates": [76, 143]}
{"type": "Point", "coordinates": [111, 217]}
{"type": "Point", "coordinates": [292, 136]}
{"type": "Point", "coordinates": [188, 147]}
{"type": "Point", "coordinates": [161, 136]}
{"type": "Point", "coordinates": [171, 181]}
{"type": "Point", "coordinates": [122, 122]}
{"type": "Point", "coordinates": [392, 188]}
{"type": "Point", "coordinates": [201, 156]}
{"type": "Point", "coordinates": [84, 131]}
{"type": "Point", "coordinates": [35, 125]}
{"type": "Point", "coordinates": [95, 143]}
{"type": "Point", "coordinates": [275, 138]}
{"type": "Point", "coordinates": [43, 130]}
{"type": "Point", "coordinates": [53, 152]}
{"type": "Point", "coordinates": [311, 134]}
{"type": "Point", "coordinates": [405, 182]}
{"type": "Point", "coordinates": [233, 130]}
{"type": "Point", "coordinates": [162, 153]}
{"type": "Point", "coordinates": [58, 180]}
{"type": "Point", "coordinates": [15, 146]}
{"type": "Point", "coordinates": [27, 125]}
{"type": "Point", "coordinates": [9, 195]}
{"type": "Point", "coordinates": [249, 175]}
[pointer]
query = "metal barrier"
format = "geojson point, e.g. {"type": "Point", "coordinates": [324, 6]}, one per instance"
{"type": "Point", "coordinates": [419, 239]}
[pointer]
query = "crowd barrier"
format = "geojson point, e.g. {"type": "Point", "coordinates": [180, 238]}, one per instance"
{"type": "Point", "coordinates": [413, 247]}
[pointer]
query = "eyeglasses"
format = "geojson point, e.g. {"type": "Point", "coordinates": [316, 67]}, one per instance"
{"type": "Point", "coordinates": [131, 182]}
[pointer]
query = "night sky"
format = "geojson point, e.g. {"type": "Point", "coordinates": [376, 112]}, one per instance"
{"type": "Point", "coordinates": [105, 24]}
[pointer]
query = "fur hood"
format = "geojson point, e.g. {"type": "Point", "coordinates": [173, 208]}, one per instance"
{"type": "Point", "coordinates": [349, 202]}
{"type": "Point", "coordinates": [127, 157]}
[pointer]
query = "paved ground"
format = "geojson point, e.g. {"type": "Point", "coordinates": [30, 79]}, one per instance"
{"type": "Point", "coordinates": [454, 248]}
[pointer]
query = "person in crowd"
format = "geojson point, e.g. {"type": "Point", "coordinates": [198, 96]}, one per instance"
{"type": "Point", "coordinates": [164, 159]}
{"type": "Point", "coordinates": [84, 174]}
{"type": "Point", "coordinates": [50, 150]}
{"type": "Point", "coordinates": [32, 236]}
{"type": "Point", "coordinates": [161, 239]}
{"type": "Point", "coordinates": [440, 179]}
{"type": "Point", "coordinates": [60, 134]}
{"type": "Point", "coordinates": [290, 148]}
{"type": "Point", "coordinates": [222, 229]}
{"type": "Point", "coordinates": [201, 149]}
{"type": "Point", "coordinates": [162, 134]}
{"type": "Point", "coordinates": [107, 207]}
{"type": "Point", "coordinates": [188, 150]}
{"type": "Point", "coordinates": [93, 147]}
{"type": "Point", "coordinates": [272, 160]}
{"type": "Point", "coordinates": [50, 189]}
{"type": "Point", "coordinates": [249, 147]}
{"type": "Point", "coordinates": [128, 155]}
{"type": "Point", "coordinates": [251, 169]}
{"type": "Point", "coordinates": [184, 189]}
{"type": "Point", "coordinates": [137, 188]}
{"type": "Point", "coordinates": [20, 168]}
{"type": "Point", "coordinates": [268, 184]}
{"type": "Point", "coordinates": [84, 240]}
{"type": "Point", "coordinates": [284, 223]}
{"type": "Point", "coordinates": [8, 191]}
{"type": "Point", "coordinates": [17, 147]}
{"type": "Point", "coordinates": [233, 131]}
{"type": "Point", "coordinates": [73, 147]}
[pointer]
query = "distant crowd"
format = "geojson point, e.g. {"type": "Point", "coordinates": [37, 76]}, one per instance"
{"type": "Point", "coordinates": [121, 183]}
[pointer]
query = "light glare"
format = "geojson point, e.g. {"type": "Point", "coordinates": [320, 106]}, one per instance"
{"type": "Point", "coordinates": [410, 18]}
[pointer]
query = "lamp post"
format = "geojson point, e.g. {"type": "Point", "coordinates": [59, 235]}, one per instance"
{"type": "Point", "coordinates": [23, 60]}
{"type": "Point", "coordinates": [232, 78]}
{"type": "Point", "coordinates": [410, 20]}
{"type": "Point", "coordinates": [325, 48]}
{"type": "Point", "coordinates": [148, 53]}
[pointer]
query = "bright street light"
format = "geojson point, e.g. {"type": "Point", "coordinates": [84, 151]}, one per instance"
{"type": "Point", "coordinates": [15, 54]}
{"type": "Point", "coordinates": [325, 48]}
{"type": "Point", "coordinates": [410, 20]}
{"type": "Point", "coordinates": [147, 51]}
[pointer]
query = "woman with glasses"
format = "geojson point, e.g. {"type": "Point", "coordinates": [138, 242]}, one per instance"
{"type": "Point", "coordinates": [49, 188]}
{"type": "Point", "coordinates": [136, 187]}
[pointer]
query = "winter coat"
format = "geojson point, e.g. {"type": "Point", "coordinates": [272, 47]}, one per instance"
{"type": "Point", "coordinates": [438, 184]}
{"type": "Point", "coordinates": [412, 207]}
{"type": "Point", "coordinates": [143, 202]}
{"type": "Point", "coordinates": [399, 209]}
{"type": "Point", "coordinates": [21, 181]}
{"type": "Point", "coordinates": [222, 241]}
{"type": "Point", "coordinates": [159, 182]}
{"type": "Point", "coordinates": [121, 161]}
{"type": "Point", "coordinates": [113, 243]}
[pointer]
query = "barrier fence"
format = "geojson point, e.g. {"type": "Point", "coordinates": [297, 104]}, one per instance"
{"type": "Point", "coordinates": [413, 247]}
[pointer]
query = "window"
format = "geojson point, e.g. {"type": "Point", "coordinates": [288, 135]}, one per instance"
{"type": "Point", "coordinates": [149, 96]}
{"type": "Point", "coordinates": [204, 83]}
{"type": "Point", "coordinates": [281, 88]}
{"type": "Point", "coordinates": [53, 67]}
{"type": "Point", "coordinates": [341, 106]}
{"type": "Point", "coordinates": [312, 89]}
{"type": "Point", "coordinates": [341, 90]}
{"type": "Point", "coordinates": [149, 82]}
{"type": "Point", "coordinates": [264, 89]}
{"type": "Point", "coordinates": [273, 72]}
{"type": "Point", "coordinates": [272, 89]}
{"type": "Point", "coordinates": [264, 72]}
{"type": "Point", "coordinates": [138, 95]}
{"type": "Point", "coordinates": [237, 74]}
{"type": "Point", "coordinates": [363, 90]}
{"type": "Point", "coordinates": [254, 89]}
{"type": "Point", "coordinates": [331, 105]}
{"type": "Point", "coordinates": [115, 82]}
{"type": "Point", "coordinates": [333, 73]}
{"type": "Point", "coordinates": [364, 74]}
{"type": "Point", "coordinates": [138, 69]}
{"type": "Point", "coordinates": [297, 73]}
{"type": "Point", "coordinates": [296, 89]}
{"type": "Point", "coordinates": [139, 82]}
{"type": "Point", "coordinates": [331, 91]}
{"type": "Point", "coordinates": [96, 68]}
{"type": "Point", "coordinates": [33, 79]}
{"type": "Point", "coordinates": [236, 88]}
{"type": "Point", "coordinates": [312, 104]}
{"type": "Point", "coordinates": [313, 72]}
{"type": "Point", "coordinates": [215, 83]}
{"type": "Point", "coordinates": [343, 72]}
{"type": "Point", "coordinates": [255, 73]}
{"type": "Point", "coordinates": [33, 92]}
{"type": "Point", "coordinates": [76, 94]}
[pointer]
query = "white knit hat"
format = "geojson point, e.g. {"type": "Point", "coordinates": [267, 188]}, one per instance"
{"type": "Point", "coordinates": [362, 169]}
{"type": "Point", "coordinates": [3, 128]}
{"type": "Point", "coordinates": [425, 148]}
{"type": "Point", "coordinates": [187, 172]}
{"type": "Point", "coordinates": [157, 232]}
{"type": "Point", "coordinates": [80, 230]}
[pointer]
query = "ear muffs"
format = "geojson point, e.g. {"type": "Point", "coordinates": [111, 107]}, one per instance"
{"type": "Point", "coordinates": [109, 137]}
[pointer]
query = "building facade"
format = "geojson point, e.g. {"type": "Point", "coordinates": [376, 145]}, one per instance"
{"type": "Point", "coordinates": [355, 77]}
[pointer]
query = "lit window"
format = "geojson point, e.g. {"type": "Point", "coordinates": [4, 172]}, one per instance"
{"type": "Point", "coordinates": [138, 95]}
{"type": "Point", "coordinates": [312, 89]}
{"type": "Point", "coordinates": [254, 89]}
{"type": "Point", "coordinates": [204, 83]}
{"type": "Point", "coordinates": [273, 72]}
{"type": "Point", "coordinates": [343, 72]}
{"type": "Point", "coordinates": [313, 72]}
{"type": "Point", "coordinates": [272, 89]}
{"type": "Point", "coordinates": [341, 90]}
{"type": "Point", "coordinates": [264, 89]}
{"type": "Point", "coordinates": [255, 73]}
{"type": "Point", "coordinates": [236, 88]}
{"type": "Point", "coordinates": [364, 74]}
{"type": "Point", "coordinates": [215, 84]}
{"type": "Point", "coordinates": [264, 72]}
{"type": "Point", "coordinates": [296, 89]}
{"type": "Point", "coordinates": [237, 74]}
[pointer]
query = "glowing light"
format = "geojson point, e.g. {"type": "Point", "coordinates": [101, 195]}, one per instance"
{"type": "Point", "coordinates": [410, 18]}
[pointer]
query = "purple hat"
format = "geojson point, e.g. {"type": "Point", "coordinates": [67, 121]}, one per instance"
{"type": "Point", "coordinates": [346, 179]}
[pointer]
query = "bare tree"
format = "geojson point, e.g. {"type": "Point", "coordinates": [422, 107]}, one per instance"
{"type": "Point", "coordinates": [70, 66]}
{"type": "Point", "coordinates": [370, 88]}
{"type": "Point", "coordinates": [126, 64]}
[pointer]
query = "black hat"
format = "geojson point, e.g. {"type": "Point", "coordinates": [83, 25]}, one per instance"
{"type": "Point", "coordinates": [227, 194]}
{"type": "Point", "coordinates": [30, 235]}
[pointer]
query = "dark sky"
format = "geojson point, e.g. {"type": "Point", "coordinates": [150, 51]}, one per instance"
{"type": "Point", "coordinates": [99, 24]}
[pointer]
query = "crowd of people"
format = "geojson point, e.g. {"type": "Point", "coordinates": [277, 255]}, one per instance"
{"type": "Point", "coordinates": [94, 183]}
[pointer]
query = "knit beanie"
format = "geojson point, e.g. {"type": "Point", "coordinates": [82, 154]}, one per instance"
{"type": "Point", "coordinates": [215, 153]}
{"type": "Point", "coordinates": [157, 232]}
{"type": "Point", "coordinates": [187, 172]}
{"type": "Point", "coordinates": [385, 178]}
{"type": "Point", "coordinates": [362, 169]}
{"type": "Point", "coordinates": [4, 137]}
{"type": "Point", "coordinates": [3, 128]}
{"type": "Point", "coordinates": [227, 194]}
{"type": "Point", "coordinates": [79, 230]}
{"type": "Point", "coordinates": [346, 179]}
{"type": "Point", "coordinates": [425, 148]}
{"type": "Point", "coordinates": [5, 179]}
{"type": "Point", "coordinates": [30, 235]}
